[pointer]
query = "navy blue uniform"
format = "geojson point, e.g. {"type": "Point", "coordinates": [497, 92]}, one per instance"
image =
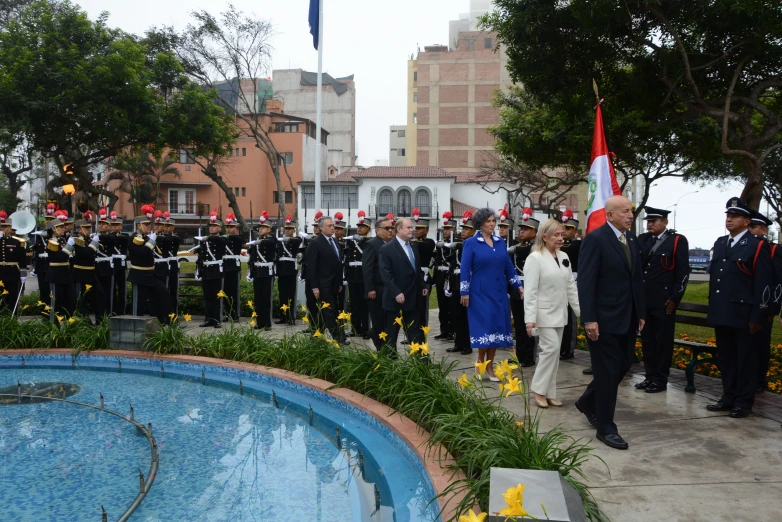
{"type": "Point", "coordinates": [440, 265]}
{"type": "Point", "coordinates": [287, 272]}
{"type": "Point", "coordinates": [150, 291]}
{"type": "Point", "coordinates": [525, 345]}
{"type": "Point", "coordinates": [569, 335]}
{"type": "Point", "coordinates": [232, 267]}
{"type": "Point", "coordinates": [261, 270]}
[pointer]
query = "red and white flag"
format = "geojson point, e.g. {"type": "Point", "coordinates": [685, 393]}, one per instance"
{"type": "Point", "coordinates": [602, 180]}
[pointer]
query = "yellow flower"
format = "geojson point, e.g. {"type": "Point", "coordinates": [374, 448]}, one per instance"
{"type": "Point", "coordinates": [504, 369]}
{"type": "Point", "coordinates": [424, 349]}
{"type": "Point", "coordinates": [520, 424]}
{"type": "Point", "coordinates": [512, 386]}
{"type": "Point", "coordinates": [87, 288]}
{"type": "Point", "coordinates": [303, 308]}
{"type": "Point", "coordinates": [464, 382]}
{"type": "Point", "coordinates": [221, 294]}
{"type": "Point", "coordinates": [425, 329]}
{"type": "Point", "coordinates": [344, 316]}
{"type": "Point", "coordinates": [25, 307]}
{"type": "Point", "coordinates": [383, 336]}
{"type": "Point", "coordinates": [250, 304]}
{"type": "Point", "coordinates": [187, 317]}
{"type": "Point", "coordinates": [514, 498]}
{"type": "Point", "coordinates": [324, 304]}
{"type": "Point", "coordinates": [306, 319]}
{"type": "Point", "coordinates": [472, 517]}
{"type": "Point", "coordinates": [252, 323]}
{"type": "Point", "coordinates": [71, 320]}
{"type": "Point", "coordinates": [254, 314]}
{"type": "Point", "coordinates": [376, 367]}
{"type": "Point", "coordinates": [317, 333]}
{"type": "Point", "coordinates": [41, 303]}
{"type": "Point", "coordinates": [285, 308]}
{"type": "Point", "coordinates": [59, 318]}
{"type": "Point", "coordinates": [172, 316]}
{"type": "Point", "coordinates": [5, 292]}
{"type": "Point", "coordinates": [481, 366]}
{"type": "Point", "coordinates": [398, 320]}
{"type": "Point", "coordinates": [2, 285]}
{"type": "Point", "coordinates": [46, 308]}
{"type": "Point", "coordinates": [414, 347]}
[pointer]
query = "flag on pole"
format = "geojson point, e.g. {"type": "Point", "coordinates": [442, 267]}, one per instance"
{"type": "Point", "coordinates": [602, 180]}
{"type": "Point", "coordinates": [314, 20]}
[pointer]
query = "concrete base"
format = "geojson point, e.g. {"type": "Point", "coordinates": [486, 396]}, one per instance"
{"type": "Point", "coordinates": [128, 332]}
{"type": "Point", "coordinates": [547, 495]}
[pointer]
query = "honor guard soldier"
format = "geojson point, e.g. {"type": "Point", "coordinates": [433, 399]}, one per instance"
{"type": "Point", "coordinates": [426, 246]}
{"type": "Point", "coordinates": [13, 264]}
{"type": "Point", "coordinates": [260, 271]}
{"type": "Point", "coordinates": [339, 235]}
{"type": "Point", "coordinates": [41, 255]}
{"type": "Point", "coordinates": [63, 294]}
{"type": "Point", "coordinates": [287, 247]}
{"type": "Point", "coordinates": [354, 256]}
{"type": "Point", "coordinates": [149, 292]}
{"type": "Point", "coordinates": [173, 260]}
{"type": "Point", "coordinates": [740, 281]}
{"type": "Point", "coordinates": [120, 257]}
{"type": "Point", "coordinates": [461, 327]}
{"type": "Point", "coordinates": [232, 267]}
{"type": "Point", "coordinates": [504, 225]}
{"type": "Point", "coordinates": [528, 229]}
{"type": "Point", "coordinates": [86, 252]}
{"type": "Point", "coordinates": [571, 246]}
{"type": "Point", "coordinates": [312, 303]}
{"type": "Point", "coordinates": [758, 225]}
{"type": "Point", "coordinates": [441, 268]}
{"type": "Point", "coordinates": [162, 248]}
{"type": "Point", "coordinates": [104, 262]}
{"type": "Point", "coordinates": [666, 263]}
{"type": "Point", "coordinates": [209, 269]}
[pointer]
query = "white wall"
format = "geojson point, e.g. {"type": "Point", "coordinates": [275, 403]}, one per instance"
{"type": "Point", "coordinates": [308, 159]}
{"type": "Point", "coordinates": [396, 144]}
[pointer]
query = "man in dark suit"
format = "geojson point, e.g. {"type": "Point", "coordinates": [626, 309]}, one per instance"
{"type": "Point", "coordinates": [400, 269]}
{"type": "Point", "coordinates": [611, 294]}
{"type": "Point", "coordinates": [373, 283]}
{"type": "Point", "coordinates": [324, 276]}
{"type": "Point", "coordinates": [740, 299]}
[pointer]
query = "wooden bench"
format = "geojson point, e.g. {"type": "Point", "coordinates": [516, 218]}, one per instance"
{"type": "Point", "coordinates": [694, 347]}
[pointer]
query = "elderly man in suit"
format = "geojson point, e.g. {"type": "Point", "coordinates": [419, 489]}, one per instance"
{"type": "Point", "coordinates": [613, 311]}
{"type": "Point", "coordinates": [400, 269]}
{"type": "Point", "coordinates": [324, 275]}
{"type": "Point", "coordinates": [373, 282]}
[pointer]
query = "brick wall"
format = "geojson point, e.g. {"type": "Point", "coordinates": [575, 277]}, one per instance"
{"type": "Point", "coordinates": [453, 137]}
{"type": "Point", "coordinates": [452, 94]}
{"type": "Point", "coordinates": [453, 159]}
{"type": "Point", "coordinates": [451, 115]}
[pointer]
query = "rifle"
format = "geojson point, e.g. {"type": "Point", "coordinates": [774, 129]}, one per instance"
{"type": "Point", "coordinates": [251, 221]}
{"type": "Point", "coordinates": [305, 214]}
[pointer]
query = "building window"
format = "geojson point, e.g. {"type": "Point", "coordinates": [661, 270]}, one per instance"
{"type": "Point", "coordinates": [308, 196]}
{"type": "Point", "coordinates": [288, 196]}
{"type": "Point", "coordinates": [415, 117]}
{"type": "Point", "coordinates": [404, 202]}
{"type": "Point", "coordinates": [400, 152]}
{"type": "Point", "coordinates": [415, 76]}
{"type": "Point", "coordinates": [487, 43]}
{"type": "Point", "coordinates": [187, 168]}
{"type": "Point", "coordinates": [286, 127]}
{"type": "Point", "coordinates": [236, 191]}
{"type": "Point", "coordinates": [401, 134]}
{"type": "Point", "coordinates": [286, 158]}
{"type": "Point", "coordinates": [181, 201]}
{"type": "Point", "coordinates": [385, 202]}
{"type": "Point", "coordinates": [423, 202]}
{"type": "Point", "coordinates": [244, 151]}
{"type": "Point", "coordinates": [339, 196]}
{"type": "Point", "coordinates": [415, 97]}
{"type": "Point", "coordinates": [244, 191]}
{"type": "Point", "coordinates": [186, 156]}
{"type": "Point", "coordinates": [470, 45]}
{"type": "Point", "coordinates": [236, 152]}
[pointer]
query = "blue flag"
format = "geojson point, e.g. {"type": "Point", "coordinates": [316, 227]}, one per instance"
{"type": "Point", "coordinates": [314, 21]}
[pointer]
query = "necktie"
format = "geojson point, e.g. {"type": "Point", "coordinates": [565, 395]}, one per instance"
{"type": "Point", "coordinates": [623, 240]}
{"type": "Point", "coordinates": [656, 239]}
{"type": "Point", "coordinates": [334, 246]}
{"type": "Point", "coordinates": [410, 255]}
{"type": "Point", "coordinates": [730, 243]}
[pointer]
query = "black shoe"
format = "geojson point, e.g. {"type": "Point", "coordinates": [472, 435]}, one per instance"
{"type": "Point", "coordinates": [405, 342]}
{"type": "Point", "coordinates": [450, 337]}
{"type": "Point", "coordinates": [566, 356]}
{"type": "Point", "coordinates": [591, 416]}
{"type": "Point", "coordinates": [587, 371]}
{"type": "Point", "coordinates": [441, 336]}
{"type": "Point", "coordinates": [613, 440]}
{"type": "Point", "coordinates": [760, 389]}
{"type": "Point", "coordinates": [217, 325]}
{"type": "Point", "coordinates": [656, 388]}
{"type": "Point", "coordinates": [719, 406]}
{"type": "Point", "coordinates": [366, 336]}
{"type": "Point", "coordinates": [206, 323]}
{"type": "Point", "coordinates": [527, 364]}
{"type": "Point", "coordinates": [643, 384]}
{"type": "Point", "coordinates": [739, 413]}
{"type": "Point", "coordinates": [466, 351]}
{"type": "Point", "coordinates": [453, 349]}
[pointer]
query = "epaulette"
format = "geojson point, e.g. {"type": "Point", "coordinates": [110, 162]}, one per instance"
{"type": "Point", "coordinates": [80, 242]}
{"type": "Point", "coordinates": [20, 239]}
{"type": "Point", "coordinates": [53, 245]}
{"type": "Point", "coordinates": [138, 239]}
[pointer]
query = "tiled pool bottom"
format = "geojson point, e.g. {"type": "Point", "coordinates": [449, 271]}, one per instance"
{"type": "Point", "coordinates": [223, 456]}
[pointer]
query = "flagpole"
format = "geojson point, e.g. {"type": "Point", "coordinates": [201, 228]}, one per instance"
{"type": "Point", "coordinates": [319, 109]}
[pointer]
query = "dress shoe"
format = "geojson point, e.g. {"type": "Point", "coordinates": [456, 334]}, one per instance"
{"type": "Point", "coordinates": [217, 325]}
{"type": "Point", "coordinates": [541, 402]}
{"type": "Point", "coordinates": [719, 406]}
{"type": "Point", "coordinates": [206, 323]}
{"type": "Point", "coordinates": [554, 402]}
{"type": "Point", "coordinates": [566, 356]}
{"type": "Point", "coordinates": [453, 349]}
{"type": "Point", "coordinates": [591, 416]}
{"type": "Point", "coordinates": [365, 336]}
{"type": "Point", "coordinates": [587, 371]}
{"type": "Point", "coordinates": [643, 384]}
{"type": "Point", "coordinates": [613, 440]}
{"type": "Point", "coordinates": [494, 378]}
{"type": "Point", "coordinates": [527, 364]}
{"type": "Point", "coordinates": [441, 336]}
{"type": "Point", "coordinates": [739, 413]}
{"type": "Point", "coordinates": [760, 389]}
{"type": "Point", "coordinates": [655, 388]}
{"type": "Point", "coordinates": [466, 351]}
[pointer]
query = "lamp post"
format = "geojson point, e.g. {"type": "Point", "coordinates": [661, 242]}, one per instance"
{"type": "Point", "coordinates": [69, 190]}
{"type": "Point", "coordinates": [676, 206]}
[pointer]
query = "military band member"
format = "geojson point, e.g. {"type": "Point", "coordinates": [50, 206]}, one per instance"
{"type": "Point", "coordinates": [758, 225]}
{"type": "Point", "coordinates": [104, 266]}
{"type": "Point", "coordinates": [120, 260]}
{"type": "Point", "coordinates": [232, 268]}
{"type": "Point", "coordinates": [162, 248]}
{"type": "Point", "coordinates": [13, 264]}
{"type": "Point", "coordinates": [312, 303]}
{"type": "Point", "coordinates": [441, 268]}
{"type": "Point", "coordinates": [354, 260]}
{"type": "Point", "coordinates": [173, 261]}
{"type": "Point", "coordinates": [149, 292]}
{"type": "Point", "coordinates": [528, 230]}
{"type": "Point", "coordinates": [287, 273]}
{"type": "Point", "coordinates": [260, 271]}
{"type": "Point", "coordinates": [666, 263]}
{"type": "Point", "coordinates": [571, 246]}
{"type": "Point", "coordinates": [426, 247]}
{"type": "Point", "coordinates": [58, 275]}
{"type": "Point", "coordinates": [339, 235]}
{"type": "Point", "coordinates": [209, 269]}
{"type": "Point", "coordinates": [86, 252]}
{"type": "Point", "coordinates": [739, 301]}
{"type": "Point", "coordinates": [504, 225]}
{"type": "Point", "coordinates": [462, 342]}
{"type": "Point", "coordinates": [41, 256]}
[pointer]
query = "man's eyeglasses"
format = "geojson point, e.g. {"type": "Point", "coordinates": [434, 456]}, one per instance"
{"type": "Point", "coordinates": [387, 228]}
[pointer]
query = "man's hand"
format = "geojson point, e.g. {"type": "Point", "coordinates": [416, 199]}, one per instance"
{"type": "Point", "coordinates": [373, 295]}
{"type": "Point", "coordinates": [521, 292]}
{"type": "Point", "coordinates": [670, 307]}
{"type": "Point", "coordinates": [425, 292]}
{"type": "Point", "coordinates": [71, 241]}
{"type": "Point", "coordinates": [641, 323]}
{"type": "Point", "coordinates": [316, 292]}
{"type": "Point", "coordinates": [400, 299]}
{"type": "Point", "coordinates": [465, 300]}
{"type": "Point", "coordinates": [754, 328]}
{"type": "Point", "coordinates": [592, 331]}
{"type": "Point", "coordinates": [339, 289]}
{"type": "Point", "coordinates": [530, 326]}
{"type": "Point", "coordinates": [152, 236]}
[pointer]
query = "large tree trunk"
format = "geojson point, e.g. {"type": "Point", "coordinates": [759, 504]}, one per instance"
{"type": "Point", "coordinates": [753, 188]}
{"type": "Point", "coordinates": [211, 173]}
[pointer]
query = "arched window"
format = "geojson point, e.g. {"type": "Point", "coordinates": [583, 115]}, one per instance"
{"type": "Point", "coordinates": [404, 202]}
{"type": "Point", "coordinates": [423, 202]}
{"type": "Point", "coordinates": [385, 202]}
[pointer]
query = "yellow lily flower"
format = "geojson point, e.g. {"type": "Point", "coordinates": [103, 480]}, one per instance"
{"type": "Point", "coordinates": [46, 308]}
{"type": "Point", "coordinates": [306, 319]}
{"type": "Point", "coordinates": [398, 320]}
{"type": "Point", "coordinates": [344, 316]}
{"type": "Point", "coordinates": [414, 348]}
{"type": "Point", "coordinates": [317, 333]}
{"type": "Point", "coordinates": [303, 308]}
{"type": "Point", "coordinates": [25, 307]}
{"type": "Point", "coordinates": [59, 318]}
{"type": "Point", "coordinates": [376, 367]}
{"type": "Point", "coordinates": [472, 517]}
{"type": "Point", "coordinates": [5, 292]}
{"type": "Point", "coordinates": [382, 336]}
{"type": "Point", "coordinates": [221, 294]}
{"type": "Point", "coordinates": [514, 498]}
{"type": "Point", "coordinates": [188, 317]}
{"type": "Point", "coordinates": [464, 382]}
{"type": "Point", "coordinates": [504, 369]}
{"type": "Point", "coordinates": [252, 323]}
{"type": "Point", "coordinates": [512, 386]}
{"type": "Point", "coordinates": [71, 320]}
{"type": "Point", "coordinates": [520, 424]}
{"type": "Point", "coordinates": [172, 316]}
{"type": "Point", "coordinates": [41, 303]}
{"type": "Point", "coordinates": [254, 314]}
{"type": "Point", "coordinates": [250, 304]}
{"type": "Point", "coordinates": [324, 304]}
{"type": "Point", "coordinates": [481, 366]}
{"type": "Point", "coordinates": [87, 288]}
{"type": "Point", "coordinates": [424, 348]}
{"type": "Point", "coordinates": [425, 329]}
{"type": "Point", "coordinates": [2, 285]}
{"type": "Point", "coordinates": [285, 308]}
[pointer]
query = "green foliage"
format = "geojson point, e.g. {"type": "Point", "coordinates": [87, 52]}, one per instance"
{"type": "Point", "coordinates": [40, 334]}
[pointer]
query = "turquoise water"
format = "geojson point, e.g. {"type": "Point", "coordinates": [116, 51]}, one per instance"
{"type": "Point", "coordinates": [224, 456]}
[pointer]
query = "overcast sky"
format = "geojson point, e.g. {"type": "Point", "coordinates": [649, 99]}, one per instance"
{"type": "Point", "coordinates": [374, 40]}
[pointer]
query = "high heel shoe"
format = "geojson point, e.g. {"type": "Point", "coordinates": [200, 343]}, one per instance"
{"type": "Point", "coordinates": [554, 402]}
{"type": "Point", "coordinates": [541, 403]}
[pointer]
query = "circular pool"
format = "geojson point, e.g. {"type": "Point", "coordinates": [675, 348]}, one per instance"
{"type": "Point", "coordinates": [233, 446]}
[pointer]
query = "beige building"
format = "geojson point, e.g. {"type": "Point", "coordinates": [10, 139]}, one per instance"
{"type": "Point", "coordinates": [397, 141]}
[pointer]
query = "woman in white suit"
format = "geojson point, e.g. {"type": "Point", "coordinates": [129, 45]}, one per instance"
{"type": "Point", "coordinates": [549, 288]}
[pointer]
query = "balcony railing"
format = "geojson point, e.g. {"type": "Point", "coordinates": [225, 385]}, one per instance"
{"type": "Point", "coordinates": [183, 209]}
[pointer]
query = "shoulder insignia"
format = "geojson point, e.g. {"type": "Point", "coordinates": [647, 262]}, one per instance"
{"type": "Point", "coordinates": [80, 242]}
{"type": "Point", "coordinates": [138, 239]}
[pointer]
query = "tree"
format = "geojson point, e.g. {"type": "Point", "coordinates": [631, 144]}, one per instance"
{"type": "Point", "coordinates": [16, 160]}
{"type": "Point", "coordinates": [691, 70]}
{"type": "Point", "coordinates": [140, 174]}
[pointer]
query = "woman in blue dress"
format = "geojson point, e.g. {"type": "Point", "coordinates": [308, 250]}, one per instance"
{"type": "Point", "coordinates": [486, 272]}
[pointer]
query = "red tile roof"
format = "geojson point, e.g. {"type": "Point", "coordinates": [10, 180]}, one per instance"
{"type": "Point", "coordinates": [403, 172]}
{"type": "Point", "coordinates": [345, 177]}
{"type": "Point", "coordinates": [460, 208]}
{"type": "Point", "coordinates": [475, 177]}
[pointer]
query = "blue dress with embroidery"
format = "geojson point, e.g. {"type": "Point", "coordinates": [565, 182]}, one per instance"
{"type": "Point", "coordinates": [485, 274]}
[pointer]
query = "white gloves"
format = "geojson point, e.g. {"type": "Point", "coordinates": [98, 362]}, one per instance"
{"type": "Point", "coordinates": [200, 238]}
{"type": "Point", "coordinates": [95, 243]}
{"type": "Point", "coordinates": [285, 239]}
{"type": "Point", "coordinates": [2, 233]}
{"type": "Point", "coordinates": [304, 235]}
{"type": "Point", "coordinates": [94, 236]}
{"type": "Point", "coordinates": [38, 233]}
{"type": "Point", "coordinates": [355, 237]}
{"type": "Point", "coordinates": [152, 236]}
{"type": "Point", "coordinates": [249, 278]}
{"type": "Point", "coordinates": [32, 273]}
{"type": "Point", "coordinates": [449, 245]}
{"type": "Point", "coordinates": [254, 242]}
{"type": "Point", "coordinates": [439, 243]}
{"type": "Point", "coordinates": [512, 249]}
{"type": "Point", "coordinates": [71, 241]}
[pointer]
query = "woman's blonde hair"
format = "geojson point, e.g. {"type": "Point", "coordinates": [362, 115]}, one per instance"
{"type": "Point", "coordinates": [546, 229]}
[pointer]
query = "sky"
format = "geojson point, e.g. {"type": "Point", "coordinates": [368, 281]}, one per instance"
{"type": "Point", "coordinates": [374, 40]}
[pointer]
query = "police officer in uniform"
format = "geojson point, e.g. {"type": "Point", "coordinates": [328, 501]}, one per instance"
{"type": "Point", "coordinates": [459, 312]}
{"type": "Point", "coordinates": [86, 252]}
{"type": "Point", "coordinates": [571, 246]}
{"type": "Point", "coordinates": [354, 262]}
{"type": "Point", "coordinates": [173, 260]}
{"type": "Point", "coordinates": [739, 302]}
{"type": "Point", "coordinates": [287, 247]}
{"type": "Point", "coordinates": [209, 269]}
{"type": "Point", "coordinates": [528, 230]}
{"type": "Point", "coordinates": [13, 264]}
{"type": "Point", "coordinates": [426, 247]}
{"type": "Point", "coordinates": [104, 262]}
{"type": "Point", "coordinates": [149, 291]}
{"type": "Point", "coordinates": [41, 255]}
{"type": "Point", "coordinates": [666, 264]}
{"type": "Point", "coordinates": [58, 275]}
{"type": "Point", "coordinates": [260, 271]}
{"type": "Point", "coordinates": [120, 259]}
{"type": "Point", "coordinates": [232, 267]}
{"type": "Point", "coordinates": [312, 303]}
{"type": "Point", "coordinates": [441, 268]}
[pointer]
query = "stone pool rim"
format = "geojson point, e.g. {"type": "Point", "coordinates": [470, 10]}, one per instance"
{"type": "Point", "coordinates": [434, 459]}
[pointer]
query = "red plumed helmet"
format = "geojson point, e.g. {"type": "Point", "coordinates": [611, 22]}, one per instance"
{"type": "Point", "coordinates": [103, 213]}
{"type": "Point", "coordinates": [466, 216]}
{"type": "Point", "coordinates": [567, 215]}
{"type": "Point", "coordinates": [167, 216]}
{"type": "Point", "coordinates": [113, 216]}
{"type": "Point", "coordinates": [338, 216]}
{"type": "Point", "coordinates": [50, 208]}
{"type": "Point", "coordinates": [446, 217]}
{"type": "Point", "coordinates": [318, 215]}
{"type": "Point", "coordinates": [62, 215]}
{"type": "Point", "coordinates": [88, 216]}
{"type": "Point", "coordinates": [264, 217]}
{"type": "Point", "coordinates": [230, 219]}
{"type": "Point", "coordinates": [288, 219]}
{"type": "Point", "coordinates": [416, 214]}
{"type": "Point", "coordinates": [213, 216]}
{"type": "Point", "coordinates": [503, 215]}
{"type": "Point", "coordinates": [361, 216]}
{"type": "Point", "coordinates": [3, 216]}
{"type": "Point", "coordinates": [148, 210]}
{"type": "Point", "coordinates": [158, 216]}
{"type": "Point", "coordinates": [391, 217]}
{"type": "Point", "coordinates": [526, 213]}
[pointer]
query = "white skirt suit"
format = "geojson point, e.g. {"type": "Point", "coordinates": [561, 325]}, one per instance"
{"type": "Point", "coordinates": [548, 290]}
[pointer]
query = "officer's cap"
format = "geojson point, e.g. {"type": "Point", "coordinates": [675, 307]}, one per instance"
{"type": "Point", "coordinates": [759, 219]}
{"type": "Point", "coordinates": [738, 207]}
{"type": "Point", "coordinates": [656, 213]}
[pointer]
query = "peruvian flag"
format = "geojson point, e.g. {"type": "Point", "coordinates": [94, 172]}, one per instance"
{"type": "Point", "coordinates": [602, 180]}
